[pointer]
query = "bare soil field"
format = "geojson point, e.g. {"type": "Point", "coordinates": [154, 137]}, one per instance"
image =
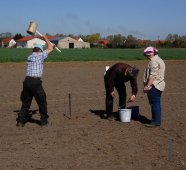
{"type": "Point", "coordinates": [86, 141]}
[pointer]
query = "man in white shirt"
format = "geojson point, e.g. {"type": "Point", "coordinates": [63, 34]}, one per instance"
{"type": "Point", "coordinates": [32, 85]}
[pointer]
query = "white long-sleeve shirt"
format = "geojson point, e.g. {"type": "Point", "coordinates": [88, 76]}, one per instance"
{"type": "Point", "coordinates": [156, 71]}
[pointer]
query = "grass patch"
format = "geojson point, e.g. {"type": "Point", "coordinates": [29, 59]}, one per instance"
{"type": "Point", "coordinates": [20, 55]}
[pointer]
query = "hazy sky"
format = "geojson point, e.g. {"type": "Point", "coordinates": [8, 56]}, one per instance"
{"type": "Point", "coordinates": [147, 19]}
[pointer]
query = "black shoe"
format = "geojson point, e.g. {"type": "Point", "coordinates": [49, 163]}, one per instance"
{"type": "Point", "coordinates": [22, 120]}
{"type": "Point", "coordinates": [107, 116]}
{"type": "Point", "coordinates": [151, 125]}
{"type": "Point", "coordinates": [20, 123]}
{"type": "Point", "coordinates": [104, 116]}
{"type": "Point", "coordinates": [43, 122]}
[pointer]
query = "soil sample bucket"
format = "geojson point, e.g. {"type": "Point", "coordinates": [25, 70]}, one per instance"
{"type": "Point", "coordinates": [125, 115]}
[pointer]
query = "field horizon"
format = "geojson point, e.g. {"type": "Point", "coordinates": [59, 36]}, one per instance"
{"type": "Point", "coordinates": [20, 55]}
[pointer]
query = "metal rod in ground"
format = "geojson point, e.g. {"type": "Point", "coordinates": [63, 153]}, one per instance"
{"type": "Point", "coordinates": [69, 97]}
{"type": "Point", "coordinates": [169, 148]}
{"type": "Point", "coordinates": [65, 109]}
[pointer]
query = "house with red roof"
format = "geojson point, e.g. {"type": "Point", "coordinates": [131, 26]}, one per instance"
{"type": "Point", "coordinates": [103, 42]}
{"type": "Point", "coordinates": [5, 42]}
{"type": "Point", "coordinates": [31, 41]}
{"type": "Point", "coordinates": [59, 41]}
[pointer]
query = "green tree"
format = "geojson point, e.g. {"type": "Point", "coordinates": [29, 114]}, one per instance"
{"type": "Point", "coordinates": [17, 36]}
{"type": "Point", "coordinates": [172, 37]}
{"type": "Point", "coordinates": [116, 41]}
{"type": "Point", "coordinates": [131, 42]}
{"type": "Point", "coordinates": [93, 38]}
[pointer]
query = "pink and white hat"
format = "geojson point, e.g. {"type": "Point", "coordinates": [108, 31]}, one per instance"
{"type": "Point", "coordinates": [150, 51]}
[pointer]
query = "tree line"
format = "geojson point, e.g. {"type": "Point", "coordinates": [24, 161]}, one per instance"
{"type": "Point", "coordinates": [121, 41]}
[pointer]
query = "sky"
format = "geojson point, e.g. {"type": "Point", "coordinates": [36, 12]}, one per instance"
{"type": "Point", "coordinates": [144, 19]}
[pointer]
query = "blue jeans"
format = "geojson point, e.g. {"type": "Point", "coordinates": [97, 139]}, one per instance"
{"type": "Point", "coordinates": [154, 97]}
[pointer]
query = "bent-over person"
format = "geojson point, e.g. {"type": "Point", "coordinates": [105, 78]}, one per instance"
{"type": "Point", "coordinates": [116, 77]}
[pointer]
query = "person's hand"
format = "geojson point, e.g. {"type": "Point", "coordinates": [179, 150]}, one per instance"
{"type": "Point", "coordinates": [146, 89]}
{"type": "Point", "coordinates": [54, 46]}
{"type": "Point", "coordinates": [113, 94]}
{"type": "Point", "coordinates": [43, 37]}
{"type": "Point", "coordinates": [132, 98]}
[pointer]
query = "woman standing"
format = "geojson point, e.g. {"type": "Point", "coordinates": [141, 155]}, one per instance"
{"type": "Point", "coordinates": [154, 84]}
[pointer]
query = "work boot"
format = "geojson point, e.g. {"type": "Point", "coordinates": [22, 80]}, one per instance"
{"type": "Point", "coordinates": [20, 122]}
{"type": "Point", "coordinates": [106, 116]}
{"type": "Point", "coordinates": [152, 125]}
{"type": "Point", "coordinates": [43, 122]}
{"type": "Point", "coordinates": [22, 119]}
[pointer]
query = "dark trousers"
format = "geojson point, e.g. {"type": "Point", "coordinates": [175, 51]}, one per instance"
{"type": "Point", "coordinates": [32, 87]}
{"type": "Point", "coordinates": [154, 97]}
{"type": "Point", "coordinates": [121, 89]}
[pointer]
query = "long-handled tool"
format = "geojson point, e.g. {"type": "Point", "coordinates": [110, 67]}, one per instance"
{"type": "Point", "coordinates": [32, 30]}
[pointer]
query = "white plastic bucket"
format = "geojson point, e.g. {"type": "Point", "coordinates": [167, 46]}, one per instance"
{"type": "Point", "coordinates": [125, 115]}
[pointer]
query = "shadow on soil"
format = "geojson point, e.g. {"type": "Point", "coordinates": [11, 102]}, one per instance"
{"type": "Point", "coordinates": [30, 114]}
{"type": "Point", "coordinates": [135, 116]}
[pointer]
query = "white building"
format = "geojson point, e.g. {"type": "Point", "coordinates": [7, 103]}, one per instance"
{"type": "Point", "coordinates": [68, 42]}
{"type": "Point", "coordinates": [29, 42]}
{"type": "Point", "coordinates": [60, 42]}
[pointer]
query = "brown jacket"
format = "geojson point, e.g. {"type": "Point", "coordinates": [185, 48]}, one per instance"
{"type": "Point", "coordinates": [117, 73]}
